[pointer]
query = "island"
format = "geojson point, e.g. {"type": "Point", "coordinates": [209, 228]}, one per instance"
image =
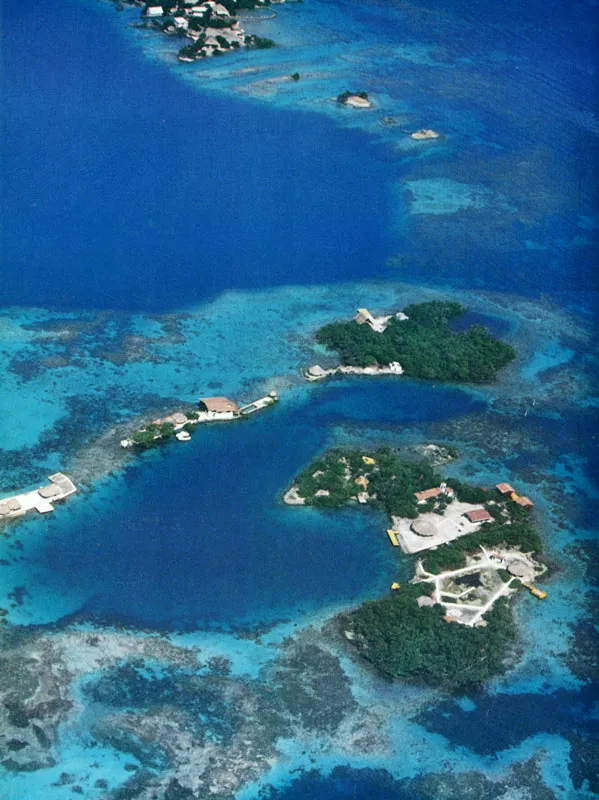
{"type": "Point", "coordinates": [424, 133]}
{"type": "Point", "coordinates": [416, 342]}
{"type": "Point", "coordinates": [354, 99]}
{"type": "Point", "coordinates": [211, 28]}
{"type": "Point", "coordinates": [481, 548]}
{"type": "Point", "coordinates": [180, 424]}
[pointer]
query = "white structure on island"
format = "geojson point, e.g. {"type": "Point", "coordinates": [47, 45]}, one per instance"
{"type": "Point", "coordinates": [154, 11]}
{"type": "Point", "coordinates": [378, 324]}
{"type": "Point", "coordinates": [60, 486]}
{"type": "Point", "coordinates": [317, 373]}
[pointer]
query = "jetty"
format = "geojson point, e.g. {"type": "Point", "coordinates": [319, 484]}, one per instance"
{"type": "Point", "coordinates": [40, 500]}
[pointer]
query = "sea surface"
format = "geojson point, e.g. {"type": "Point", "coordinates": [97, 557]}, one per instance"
{"type": "Point", "coordinates": [172, 231]}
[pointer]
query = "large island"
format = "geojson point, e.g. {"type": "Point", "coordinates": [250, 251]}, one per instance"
{"type": "Point", "coordinates": [480, 546]}
{"type": "Point", "coordinates": [417, 342]}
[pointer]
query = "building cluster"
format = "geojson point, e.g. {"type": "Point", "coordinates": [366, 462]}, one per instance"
{"type": "Point", "coordinates": [210, 27]}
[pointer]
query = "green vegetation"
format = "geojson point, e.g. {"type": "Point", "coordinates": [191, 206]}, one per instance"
{"type": "Point", "coordinates": [392, 478]}
{"type": "Point", "coordinates": [259, 42]}
{"type": "Point", "coordinates": [424, 345]}
{"type": "Point", "coordinates": [152, 434]}
{"type": "Point", "coordinates": [295, 76]}
{"type": "Point", "coordinates": [405, 641]}
{"type": "Point", "coordinates": [193, 50]}
{"type": "Point", "coordinates": [491, 534]}
{"type": "Point", "coordinates": [344, 96]}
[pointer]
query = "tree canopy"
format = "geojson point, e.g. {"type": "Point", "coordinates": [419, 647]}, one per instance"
{"type": "Point", "coordinates": [405, 641]}
{"type": "Point", "coordinates": [424, 345]}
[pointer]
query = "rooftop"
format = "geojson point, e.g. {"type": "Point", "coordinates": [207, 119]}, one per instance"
{"type": "Point", "coordinates": [219, 405]}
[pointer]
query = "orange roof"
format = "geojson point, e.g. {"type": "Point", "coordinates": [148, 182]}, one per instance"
{"type": "Point", "coordinates": [478, 515]}
{"type": "Point", "coordinates": [427, 493]}
{"type": "Point", "coordinates": [505, 488]}
{"type": "Point", "coordinates": [525, 501]}
{"type": "Point", "coordinates": [219, 404]}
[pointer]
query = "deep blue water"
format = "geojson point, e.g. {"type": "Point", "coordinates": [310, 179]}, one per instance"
{"type": "Point", "coordinates": [343, 783]}
{"type": "Point", "coordinates": [127, 189]}
{"type": "Point", "coordinates": [123, 188]}
{"type": "Point", "coordinates": [197, 538]}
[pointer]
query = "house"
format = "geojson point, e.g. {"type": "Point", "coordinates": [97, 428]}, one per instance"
{"type": "Point", "coordinates": [363, 315]}
{"type": "Point", "coordinates": [427, 494]}
{"type": "Point", "coordinates": [154, 11]}
{"type": "Point", "coordinates": [479, 515]}
{"type": "Point", "coordinates": [218, 405]}
{"type": "Point", "coordinates": [219, 10]}
{"type": "Point", "coordinates": [362, 481]}
{"type": "Point", "coordinates": [505, 489]}
{"type": "Point", "coordinates": [525, 502]}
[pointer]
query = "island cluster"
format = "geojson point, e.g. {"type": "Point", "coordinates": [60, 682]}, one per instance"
{"type": "Point", "coordinates": [481, 547]}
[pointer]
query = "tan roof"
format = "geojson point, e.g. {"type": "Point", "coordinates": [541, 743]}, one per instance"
{"type": "Point", "coordinates": [518, 568]}
{"type": "Point", "coordinates": [13, 504]}
{"type": "Point", "coordinates": [427, 493]}
{"type": "Point", "coordinates": [525, 501]}
{"type": "Point", "coordinates": [49, 491]}
{"type": "Point", "coordinates": [478, 515]}
{"type": "Point", "coordinates": [504, 488]}
{"type": "Point", "coordinates": [363, 315]}
{"type": "Point", "coordinates": [219, 404]}
{"type": "Point", "coordinates": [424, 527]}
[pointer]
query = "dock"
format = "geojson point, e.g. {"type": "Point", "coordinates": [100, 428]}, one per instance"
{"type": "Point", "coordinates": [40, 500]}
{"type": "Point", "coordinates": [258, 405]}
{"type": "Point", "coordinates": [392, 537]}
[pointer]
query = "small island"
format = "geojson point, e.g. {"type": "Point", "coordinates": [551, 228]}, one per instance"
{"type": "Point", "coordinates": [416, 342]}
{"type": "Point", "coordinates": [481, 548]}
{"type": "Point", "coordinates": [354, 99]}
{"type": "Point", "coordinates": [211, 28]}
{"type": "Point", "coordinates": [180, 424]}
{"type": "Point", "coordinates": [423, 134]}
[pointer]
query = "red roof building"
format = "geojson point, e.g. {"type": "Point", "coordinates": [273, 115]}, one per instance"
{"type": "Point", "coordinates": [479, 515]}
{"type": "Point", "coordinates": [504, 488]}
{"type": "Point", "coordinates": [427, 494]}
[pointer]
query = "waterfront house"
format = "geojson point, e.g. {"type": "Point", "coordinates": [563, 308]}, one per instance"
{"type": "Point", "coordinates": [505, 489]}
{"type": "Point", "coordinates": [154, 11]}
{"type": "Point", "coordinates": [218, 405]}
{"type": "Point", "coordinates": [363, 316]}
{"type": "Point", "coordinates": [525, 502]}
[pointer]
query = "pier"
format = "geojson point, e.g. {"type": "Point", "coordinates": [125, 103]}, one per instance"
{"type": "Point", "coordinates": [40, 500]}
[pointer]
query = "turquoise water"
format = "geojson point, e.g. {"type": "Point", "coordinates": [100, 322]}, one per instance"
{"type": "Point", "coordinates": [172, 231]}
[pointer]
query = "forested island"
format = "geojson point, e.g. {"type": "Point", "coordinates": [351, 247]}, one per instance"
{"type": "Point", "coordinates": [421, 340]}
{"type": "Point", "coordinates": [403, 640]}
{"type": "Point", "coordinates": [480, 545]}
